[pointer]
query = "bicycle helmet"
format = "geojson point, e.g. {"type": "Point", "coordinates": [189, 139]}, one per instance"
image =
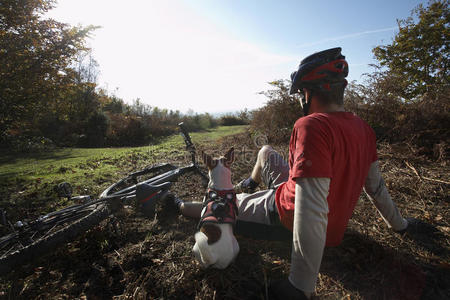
{"type": "Point", "coordinates": [320, 71]}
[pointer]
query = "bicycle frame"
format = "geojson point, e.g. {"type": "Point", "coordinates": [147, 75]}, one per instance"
{"type": "Point", "coordinates": [78, 218]}
{"type": "Point", "coordinates": [170, 175]}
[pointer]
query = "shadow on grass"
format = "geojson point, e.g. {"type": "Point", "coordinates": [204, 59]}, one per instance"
{"type": "Point", "coordinates": [374, 270]}
{"type": "Point", "coordinates": [11, 157]}
{"type": "Point", "coordinates": [427, 236]}
{"type": "Point", "coordinates": [379, 272]}
{"type": "Point", "coordinates": [19, 162]}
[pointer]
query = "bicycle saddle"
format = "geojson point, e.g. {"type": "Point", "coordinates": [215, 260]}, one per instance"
{"type": "Point", "coordinates": [145, 190]}
{"type": "Point", "coordinates": [148, 194]}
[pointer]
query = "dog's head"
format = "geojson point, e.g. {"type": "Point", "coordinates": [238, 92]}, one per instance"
{"type": "Point", "coordinates": [219, 170]}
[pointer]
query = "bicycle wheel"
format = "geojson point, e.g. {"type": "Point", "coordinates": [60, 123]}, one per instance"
{"type": "Point", "coordinates": [17, 249]}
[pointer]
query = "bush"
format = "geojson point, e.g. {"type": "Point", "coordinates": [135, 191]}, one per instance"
{"type": "Point", "coordinates": [422, 121]}
{"type": "Point", "coordinates": [199, 122]}
{"type": "Point", "coordinates": [96, 129]}
{"type": "Point", "coordinates": [277, 117]}
{"type": "Point", "coordinates": [62, 132]}
{"type": "Point", "coordinates": [28, 144]}
{"type": "Point", "coordinates": [127, 131]}
{"type": "Point", "coordinates": [241, 118]}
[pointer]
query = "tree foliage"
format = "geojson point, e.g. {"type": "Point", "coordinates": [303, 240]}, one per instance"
{"type": "Point", "coordinates": [36, 57]}
{"type": "Point", "coordinates": [238, 118]}
{"type": "Point", "coordinates": [406, 99]}
{"type": "Point", "coordinates": [419, 54]}
{"type": "Point", "coordinates": [49, 93]}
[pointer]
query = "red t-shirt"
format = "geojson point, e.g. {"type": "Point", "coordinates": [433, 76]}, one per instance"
{"type": "Point", "coordinates": [336, 145]}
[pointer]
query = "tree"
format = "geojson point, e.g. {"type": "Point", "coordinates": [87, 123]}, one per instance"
{"type": "Point", "coordinates": [419, 53]}
{"type": "Point", "coordinates": [36, 58]}
{"type": "Point", "coordinates": [96, 129]}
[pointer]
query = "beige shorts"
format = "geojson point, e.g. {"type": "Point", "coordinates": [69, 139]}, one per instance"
{"type": "Point", "coordinates": [259, 207]}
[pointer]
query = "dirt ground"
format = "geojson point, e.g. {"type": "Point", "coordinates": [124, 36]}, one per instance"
{"type": "Point", "coordinates": [133, 257]}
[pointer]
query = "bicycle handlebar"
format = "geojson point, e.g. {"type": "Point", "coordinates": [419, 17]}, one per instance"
{"type": "Point", "coordinates": [187, 139]}
{"type": "Point", "coordinates": [185, 134]}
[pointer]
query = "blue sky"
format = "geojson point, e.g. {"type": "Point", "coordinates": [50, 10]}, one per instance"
{"type": "Point", "coordinates": [215, 56]}
{"type": "Point", "coordinates": [298, 28]}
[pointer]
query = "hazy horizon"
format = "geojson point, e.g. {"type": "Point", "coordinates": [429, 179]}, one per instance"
{"type": "Point", "coordinates": [217, 56]}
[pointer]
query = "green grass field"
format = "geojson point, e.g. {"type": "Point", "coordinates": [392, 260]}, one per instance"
{"type": "Point", "coordinates": [89, 170]}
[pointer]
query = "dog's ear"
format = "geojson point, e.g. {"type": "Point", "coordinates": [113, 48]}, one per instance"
{"type": "Point", "coordinates": [229, 157]}
{"type": "Point", "coordinates": [208, 160]}
{"type": "Point", "coordinates": [212, 232]}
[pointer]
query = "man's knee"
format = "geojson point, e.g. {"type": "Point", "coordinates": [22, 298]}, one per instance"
{"type": "Point", "coordinates": [264, 152]}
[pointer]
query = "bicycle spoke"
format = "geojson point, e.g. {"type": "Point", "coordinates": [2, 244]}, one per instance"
{"type": "Point", "coordinates": [41, 230]}
{"type": "Point", "coordinates": [31, 238]}
{"type": "Point", "coordinates": [13, 248]}
{"type": "Point", "coordinates": [64, 218]}
{"type": "Point", "coordinates": [7, 252]}
{"type": "Point", "coordinates": [48, 232]}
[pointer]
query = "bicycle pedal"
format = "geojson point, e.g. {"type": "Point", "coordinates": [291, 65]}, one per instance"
{"type": "Point", "coordinates": [64, 189]}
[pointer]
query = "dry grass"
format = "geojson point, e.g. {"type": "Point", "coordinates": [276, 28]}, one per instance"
{"type": "Point", "coordinates": [131, 257]}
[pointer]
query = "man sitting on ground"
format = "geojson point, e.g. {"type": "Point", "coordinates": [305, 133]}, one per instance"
{"type": "Point", "coordinates": [332, 156]}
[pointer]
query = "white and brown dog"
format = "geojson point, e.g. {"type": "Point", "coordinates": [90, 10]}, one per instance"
{"type": "Point", "coordinates": [215, 243]}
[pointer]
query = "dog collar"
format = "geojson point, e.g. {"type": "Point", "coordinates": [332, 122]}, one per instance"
{"type": "Point", "coordinates": [219, 206]}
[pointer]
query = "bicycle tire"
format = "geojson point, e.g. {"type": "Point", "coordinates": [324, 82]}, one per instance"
{"type": "Point", "coordinates": [49, 243]}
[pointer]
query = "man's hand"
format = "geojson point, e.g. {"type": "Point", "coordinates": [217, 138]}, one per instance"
{"type": "Point", "coordinates": [284, 290]}
{"type": "Point", "coordinates": [424, 234]}
{"type": "Point", "coordinates": [414, 226]}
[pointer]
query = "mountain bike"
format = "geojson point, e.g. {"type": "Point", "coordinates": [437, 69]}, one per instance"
{"type": "Point", "coordinates": [29, 240]}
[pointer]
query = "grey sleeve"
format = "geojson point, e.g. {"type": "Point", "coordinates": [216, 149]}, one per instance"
{"type": "Point", "coordinates": [378, 194]}
{"type": "Point", "coordinates": [309, 232]}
